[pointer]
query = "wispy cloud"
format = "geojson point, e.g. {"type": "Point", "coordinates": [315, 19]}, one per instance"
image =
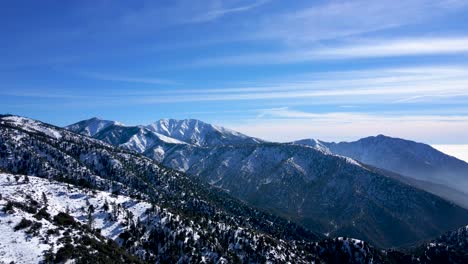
{"type": "Point", "coordinates": [374, 86]}
{"type": "Point", "coordinates": [216, 13]}
{"type": "Point", "coordinates": [366, 49]}
{"type": "Point", "coordinates": [398, 85]}
{"type": "Point", "coordinates": [120, 78]}
{"type": "Point", "coordinates": [347, 117]}
{"type": "Point", "coordinates": [337, 19]}
{"type": "Point", "coordinates": [180, 12]}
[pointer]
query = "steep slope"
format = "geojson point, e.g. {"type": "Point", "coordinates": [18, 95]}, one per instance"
{"type": "Point", "coordinates": [335, 195]}
{"type": "Point", "coordinates": [411, 159]}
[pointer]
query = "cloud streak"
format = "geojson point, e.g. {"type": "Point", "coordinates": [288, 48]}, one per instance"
{"type": "Point", "coordinates": [222, 11]}
{"type": "Point", "coordinates": [376, 86]}
{"type": "Point", "coordinates": [399, 85]}
{"type": "Point", "coordinates": [120, 78]}
{"type": "Point", "coordinates": [363, 50]}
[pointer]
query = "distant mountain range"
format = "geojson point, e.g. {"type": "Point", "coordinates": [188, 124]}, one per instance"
{"type": "Point", "coordinates": [418, 163]}
{"type": "Point", "coordinates": [304, 181]}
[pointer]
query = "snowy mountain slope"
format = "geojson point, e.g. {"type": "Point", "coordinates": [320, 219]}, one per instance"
{"type": "Point", "coordinates": [43, 220]}
{"type": "Point", "coordinates": [411, 159]}
{"type": "Point", "coordinates": [91, 126]}
{"type": "Point", "coordinates": [199, 133]}
{"type": "Point", "coordinates": [84, 226]}
{"type": "Point", "coordinates": [137, 139]}
{"type": "Point", "coordinates": [131, 223]}
{"type": "Point", "coordinates": [326, 192]}
{"type": "Point", "coordinates": [166, 135]}
{"type": "Point", "coordinates": [30, 230]}
{"type": "Point", "coordinates": [173, 131]}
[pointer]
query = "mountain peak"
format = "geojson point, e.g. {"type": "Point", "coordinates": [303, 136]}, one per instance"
{"type": "Point", "coordinates": [199, 133]}
{"type": "Point", "coordinates": [382, 136]}
{"type": "Point", "coordinates": [92, 126]}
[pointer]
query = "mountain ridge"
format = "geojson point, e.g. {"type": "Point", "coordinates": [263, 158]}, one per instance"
{"type": "Point", "coordinates": [409, 158]}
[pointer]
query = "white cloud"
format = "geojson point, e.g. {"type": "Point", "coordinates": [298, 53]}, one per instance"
{"type": "Point", "coordinates": [400, 47]}
{"type": "Point", "coordinates": [362, 49]}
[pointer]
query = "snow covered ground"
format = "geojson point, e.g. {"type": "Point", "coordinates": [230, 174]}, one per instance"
{"type": "Point", "coordinates": [21, 247]}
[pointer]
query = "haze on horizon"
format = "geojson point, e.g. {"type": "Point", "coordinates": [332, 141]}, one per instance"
{"type": "Point", "coordinates": [332, 70]}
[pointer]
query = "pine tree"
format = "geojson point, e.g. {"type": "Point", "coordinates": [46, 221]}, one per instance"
{"type": "Point", "coordinates": [90, 216]}
{"type": "Point", "coordinates": [44, 198]}
{"type": "Point", "coordinates": [106, 205]}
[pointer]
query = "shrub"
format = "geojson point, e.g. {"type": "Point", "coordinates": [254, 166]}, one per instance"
{"type": "Point", "coordinates": [34, 229]}
{"type": "Point", "coordinates": [8, 208]}
{"type": "Point", "coordinates": [53, 232]}
{"type": "Point", "coordinates": [42, 214]}
{"type": "Point", "coordinates": [64, 219]}
{"type": "Point", "coordinates": [64, 253]}
{"type": "Point", "coordinates": [23, 224]}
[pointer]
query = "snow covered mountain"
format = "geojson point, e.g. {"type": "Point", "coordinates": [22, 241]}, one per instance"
{"type": "Point", "coordinates": [310, 185]}
{"type": "Point", "coordinates": [198, 133]}
{"type": "Point", "coordinates": [172, 131]}
{"type": "Point", "coordinates": [162, 137]}
{"type": "Point", "coordinates": [408, 158]}
{"type": "Point", "coordinates": [91, 126]}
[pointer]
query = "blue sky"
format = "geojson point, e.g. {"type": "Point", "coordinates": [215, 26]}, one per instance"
{"type": "Point", "coordinates": [279, 70]}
